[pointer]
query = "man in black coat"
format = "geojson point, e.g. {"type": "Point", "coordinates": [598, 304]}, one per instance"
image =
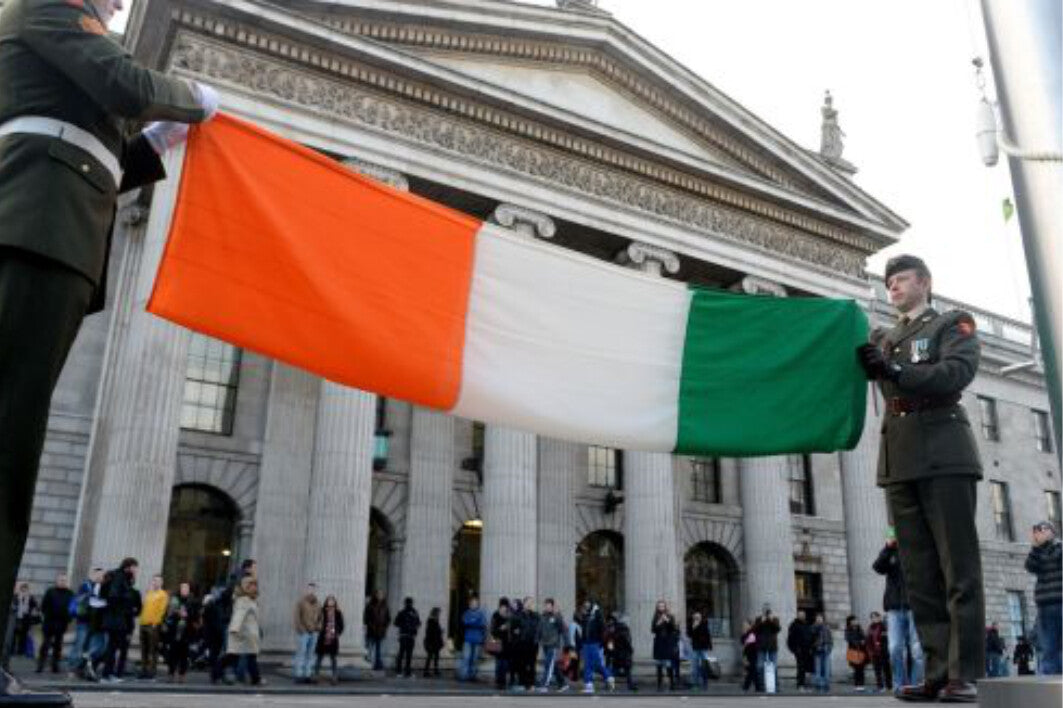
{"type": "Point", "coordinates": [122, 599]}
{"type": "Point", "coordinates": [55, 611]}
{"type": "Point", "coordinates": [799, 642]}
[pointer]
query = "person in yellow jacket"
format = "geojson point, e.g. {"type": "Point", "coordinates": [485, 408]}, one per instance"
{"type": "Point", "coordinates": [152, 613]}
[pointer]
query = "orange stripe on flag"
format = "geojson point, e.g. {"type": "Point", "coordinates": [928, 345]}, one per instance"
{"type": "Point", "coordinates": [276, 248]}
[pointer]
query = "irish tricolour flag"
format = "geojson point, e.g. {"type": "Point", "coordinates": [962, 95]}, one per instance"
{"type": "Point", "coordinates": [278, 249]}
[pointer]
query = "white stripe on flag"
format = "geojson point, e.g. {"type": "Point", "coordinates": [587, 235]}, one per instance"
{"type": "Point", "coordinates": [563, 345]}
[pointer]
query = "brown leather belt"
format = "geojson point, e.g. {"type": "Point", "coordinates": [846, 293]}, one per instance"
{"type": "Point", "coordinates": [904, 406]}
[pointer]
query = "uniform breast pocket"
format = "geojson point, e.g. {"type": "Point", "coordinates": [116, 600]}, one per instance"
{"type": "Point", "coordinates": [949, 439]}
{"type": "Point", "coordinates": [82, 164]}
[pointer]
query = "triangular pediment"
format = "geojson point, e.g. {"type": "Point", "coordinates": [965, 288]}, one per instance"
{"type": "Point", "coordinates": [591, 66]}
{"type": "Point", "coordinates": [581, 82]}
{"type": "Point", "coordinates": [580, 92]}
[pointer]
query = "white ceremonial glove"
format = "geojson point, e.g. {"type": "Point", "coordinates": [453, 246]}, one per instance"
{"type": "Point", "coordinates": [207, 98]}
{"type": "Point", "coordinates": [165, 135]}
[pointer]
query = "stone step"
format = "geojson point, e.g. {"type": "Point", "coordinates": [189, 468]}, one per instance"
{"type": "Point", "coordinates": [1021, 692]}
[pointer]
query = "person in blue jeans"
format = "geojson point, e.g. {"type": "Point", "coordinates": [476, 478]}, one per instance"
{"type": "Point", "coordinates": [822, 647]}
{"type": "Point", "coordinates": [81, 612]}
{"type": "Point", "coordinates": [591, 655]}
{"type": "Point", "coordinates": [474, 629]}
{"type": "Point", "coordinates": [700, 646]}
{"type": "Point", "coordinates": [901, 636]}
{"type": "Point", "coordinates": [550, 636]}
{"type": "Point", "coordinates": [1046, 562]}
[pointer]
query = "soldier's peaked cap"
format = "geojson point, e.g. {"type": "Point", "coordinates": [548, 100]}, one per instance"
{"type": "Point", "coordinates": [905, 262]}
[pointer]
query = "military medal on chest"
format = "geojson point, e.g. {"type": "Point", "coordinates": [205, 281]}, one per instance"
{"type": "Point", "coordinates": [920, 350]}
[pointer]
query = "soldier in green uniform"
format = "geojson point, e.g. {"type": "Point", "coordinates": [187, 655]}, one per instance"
{"type": "Point", "coordinates": [929, 468]}
{"type": "Point", "coordinates": [69, 96]}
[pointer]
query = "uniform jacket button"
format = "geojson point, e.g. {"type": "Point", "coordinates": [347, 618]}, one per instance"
{"type": "Point", "coordinates": [85, 168]}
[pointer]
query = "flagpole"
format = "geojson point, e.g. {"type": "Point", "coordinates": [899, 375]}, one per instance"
{"type": "Point", "coordinates": [1024, 52]}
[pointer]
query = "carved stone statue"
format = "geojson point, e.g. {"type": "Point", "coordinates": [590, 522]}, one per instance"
{"type": "Point", "coordinates": [830, 145]}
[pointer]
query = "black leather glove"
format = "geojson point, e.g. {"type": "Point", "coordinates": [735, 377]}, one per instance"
{"type": "Point", "coordinates": [875, 365]}
{"type": "Point", "coordinates": [872, 361]}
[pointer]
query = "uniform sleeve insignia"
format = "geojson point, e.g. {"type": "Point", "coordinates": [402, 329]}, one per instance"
{"type": "Point", "coordinates": [92, 25]}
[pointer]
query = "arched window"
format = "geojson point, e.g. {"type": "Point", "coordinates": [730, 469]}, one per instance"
{"type": "Point", "coordinates": [464, 574]}
{"type": "Point", "coordinates": [711, 586]}
{"type": "Point", "coordinates": [600, 570]}
{"type": "Point", "coordinates": [200, 537]}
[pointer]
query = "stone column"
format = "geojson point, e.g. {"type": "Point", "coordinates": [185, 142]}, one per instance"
{"type": "Point", "coordinates": [767, 537]}
{"type": "Point", "coordinates": [508, 554]}
{"type": "Point", "coordinates": [140, 461]}
{"type": "Point", "coordinates": [651, 544]}
{"type": "Point", "coordinates": [558, 462]}
{"type": "Point", "coordinates": [245, 535]}
{"type": "Point", "coordinates": [123, 280]}
{"type": "Point", "coordinates": [766, 527]}
{"type": "Point", "coordinates": [864, 507]}
{"type": "Point", "coordinates": [426, 562]}
{"type": "Point", "coordinates": [337, 536]}
{"type": "Point", "coordinates": [281, 512]}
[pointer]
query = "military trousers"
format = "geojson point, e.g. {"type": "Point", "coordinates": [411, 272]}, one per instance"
{"type": "Point", "coordinates": [937, 540]}
{"type": "Point", "coordinates": [42, 304]}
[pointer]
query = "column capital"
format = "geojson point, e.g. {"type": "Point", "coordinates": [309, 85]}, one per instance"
{"type": "Point", "coordinates": [755, 285]}
{"type": "Point", "coordinates": [524, 221]}
{"type": "Point", "coordinates": [380, 173]}
{"type": "Point", "coordinates": [649, 258]}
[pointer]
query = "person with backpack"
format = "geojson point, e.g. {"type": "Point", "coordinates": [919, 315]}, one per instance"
{"type": "Point", "coordinates": [408, 623]}
{"type": "Point", "coordinates": [79, 611]}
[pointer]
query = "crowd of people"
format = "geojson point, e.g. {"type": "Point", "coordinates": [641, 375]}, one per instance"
{"type": "Point", "coordinates": [533, 650]}
{"type": "Point", "coordinates": [214, 631]}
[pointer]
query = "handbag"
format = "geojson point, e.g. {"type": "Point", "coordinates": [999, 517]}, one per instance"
{"type": "Point", "coordinates": [855, 657]}
{"type": "Point", "coordinates": [493, 646]}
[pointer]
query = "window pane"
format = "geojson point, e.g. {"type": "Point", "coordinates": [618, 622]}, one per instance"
{"type": "Point", "coordinates": [601, 466]}
{"type": "Point", "coordinates": [211, 381]}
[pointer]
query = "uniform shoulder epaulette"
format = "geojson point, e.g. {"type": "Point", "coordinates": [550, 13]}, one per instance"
{"type": "Point", "coordinates": [961, 320]}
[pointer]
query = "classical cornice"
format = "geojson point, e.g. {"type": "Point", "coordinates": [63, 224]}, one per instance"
{"type": "Point", "coordinates": [606, 36]}
{"type": "Point", "coordinates": [240, 58]}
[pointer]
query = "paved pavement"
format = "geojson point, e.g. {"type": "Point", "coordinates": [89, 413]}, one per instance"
{"type": "Point", "coordinates": [213, 700]}
{"type": "Point", "coordinates": [391, 692]}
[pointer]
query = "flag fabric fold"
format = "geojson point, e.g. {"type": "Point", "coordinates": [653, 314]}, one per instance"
{"type": "Point", "coordinates": [278, 249]}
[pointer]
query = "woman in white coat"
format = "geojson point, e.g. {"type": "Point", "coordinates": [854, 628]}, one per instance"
{"type": "Point", "coordinates": [243, 627]}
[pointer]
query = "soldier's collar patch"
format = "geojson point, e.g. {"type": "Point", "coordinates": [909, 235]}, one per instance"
{"type": "Point", "coordinates": [92, 25]}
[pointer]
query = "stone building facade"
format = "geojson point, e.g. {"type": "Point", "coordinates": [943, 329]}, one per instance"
{"type": "Point", "coordinates": [563, 125]}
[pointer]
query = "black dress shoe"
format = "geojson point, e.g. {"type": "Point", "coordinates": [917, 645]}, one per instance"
{"type": "Point", "coordinates": [13, 694]}
{"type": "Point", "coordinates": [959, 692]}
{"type": "Point", "coordinates": [926, 692]}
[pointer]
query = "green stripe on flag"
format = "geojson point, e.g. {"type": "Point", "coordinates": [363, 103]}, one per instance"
{"type": "Point", "coordinates": [770, 376]}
